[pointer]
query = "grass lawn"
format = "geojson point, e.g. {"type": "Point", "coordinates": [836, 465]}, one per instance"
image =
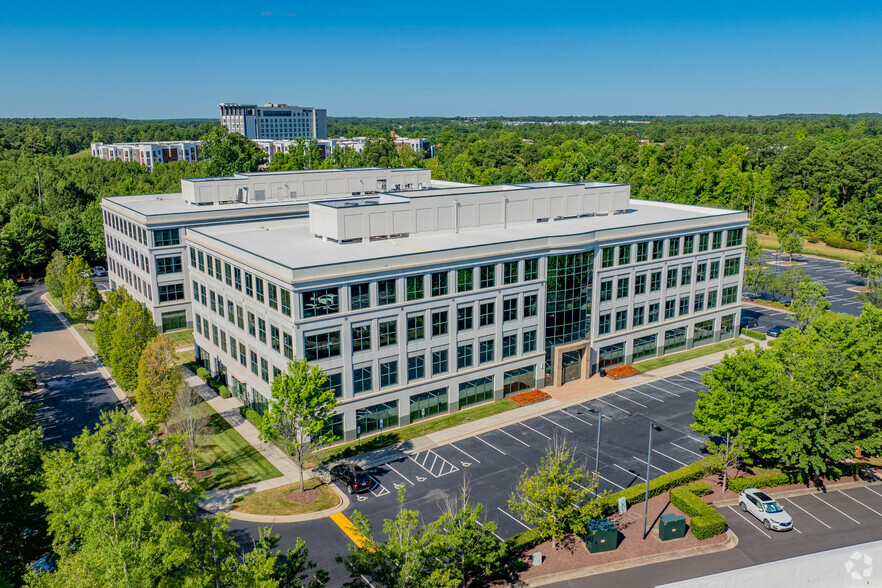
{"type": "Point", "coordinates": [819, 249]}
{"type": "Point", "coordinates": [416, 430]}
{"type": "Point", "coordinates": [185, 357]}
{"type": "Point", "coordinates": [182, 338]}
{"type": "Point", "coordinates": [657, 362]}
{"type": "Point", "coordinates": [233, 462]}
{"type": "Point", "coordinates": [273, 502]}
{"type": "Point", "coordinates": [84, 328]}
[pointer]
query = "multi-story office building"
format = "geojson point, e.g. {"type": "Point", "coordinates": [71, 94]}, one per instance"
{"type": "Point", "coordinates": [421, 303]}
{"type": "Point", "coordinates": [275, 121]}
{"type": "Point", "coordinates": [144, 235]}
{"type": "Point", "coordinates": [149, 154]}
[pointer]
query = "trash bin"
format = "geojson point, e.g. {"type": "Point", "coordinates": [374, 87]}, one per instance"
{"type": "Point", "coordinates": [601, 535]}
{"type": "Point", "coordinates": [671, 526]}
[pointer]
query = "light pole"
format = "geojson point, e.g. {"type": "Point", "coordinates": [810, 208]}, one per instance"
{"type": "Point", "coordinates": [648, 461]}
{"type": "Point", "coordinates": [597, 451]}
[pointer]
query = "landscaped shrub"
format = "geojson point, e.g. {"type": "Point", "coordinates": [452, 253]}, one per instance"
{"type": "Point", "coordinates": [223, 391]}
{"type": "Point", "coordinates": [754, 334]}
{"type": "Point", "coordinates": [518, 544]}
{"type": "Point", "coordinates": [529, 397]}
{"type": "Point", "coordinates": [251, 415]}
{"type": "Point", "coordinates": [203, 373]}
{"type": "Point", "coordinates": [704, 521]}
{"type": "Point", "coordinates": [770, 481]}
{"type": "Point", "coordinates": [699, 488]}
{"type": "Point", "coordinates": [636, 494]}
{"type": "Point", "coordinates": [623, 371]}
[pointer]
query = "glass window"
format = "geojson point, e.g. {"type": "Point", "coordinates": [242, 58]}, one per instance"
{"type": "Point", "coordinates": [362, 380]}
{"type": "Point", "coordinates": [704, 331]}
{"type": "Point", "coordinates": [201, 262]}
{"type": "Point", "coordinates": [653, 312]}
{"type": "Point", "coordinates": [217, 268]}
{"type": "Point", "coordinates": [249, 291]}
{"type": "Point", "coordinates": [718, 239]}
{"type": "Point", "coordinates": [335, 383]}
{"type": "Point", "coordinates": [415, 290]}
{"type": "Point", "coordinates": [611, 355]}
{"type": "Point", "coordinates": [684, 305]}
{"type": "Point", "coordinates": [388, 333]}
{"type": "Point", "coordinates": [623, 287]}
{"type": "Point", "coordinates": [734, 237]}
{"type": "Point", "coordinates": [274, 300]}
{"type": "Point", "coordinates": [416, 327]}
{"type": "Point", "coordinates": [688, 244]}
{"type": "Point", "coordinates": [239, 322]}
{"type": "Point", "coordinates": [606, 288]}
{"type": "Point", "coordinates": [486, 351]}
{"type": "Point", "coordinates": [637, 319]}
{"type": "Point", "coordinates": [318, 302]}
{"type": "Point", "coordinates": [700, 273]}
{"type": "Point", "coordinates": [416, 367]}
{"type": "Point", "coordinates": [510, 272]}
{"type": "Point", "coordinates": [670, 309]}
{"type": "Point", "coordinates": [703, 242]}
{"type": "Point", "coordinates": [674, 247]}
{"type": "Point", "coordinates": [529, 344]}
{"type": "Point", "coordinates": [388, 373]}
{"type": "Point", "coordinates": [712, 299]}
{"type": "Point", "coordinates": [658, 249]}
{"type": "Point", "coordinates": [675, 338]}
{"type": "Point", "coordinates": [258, 288]}
{"type": "Point", "coordinates": [488, 313]}
{"type": "Point", "coordinates": [254, 366]}
{"type": "Point", "coordinates": [361, 338]}
{"type": "Point", "coordinates": [275, 340]}
{"type": "Point", "coordinates": [655, 281]}
{"type": "Point", "coordinates": [286, 302]}
{"type": "Point", "coordinates": [642, 252]}
{"type": "Point", "coordinates": [359, 296]}
{"type": "Point", "coordinates": [288, 345]}
{"type": "Point", "coordinates": [322, 346]}
{"type": "Point", "coordinates": [488, 276]}
{"type": "Point", "coordinates": [686, 275]}
{"type": "Point", "coordinates": [509, 345]}
{"type": "Point", "coordinates": [640, 284]}
{"type": "Point", "coordinates": [531, 269]}
{"type": "Point", "coordinates": [531, 305]}
{"type": "Point", "coordinates": [220, 305]}
{"type": "Point", "coordinates": [166, 237]}
{"type": "Point", "coordinates": [604, 323]}
{"type": "Point", "coordinates": [261, 329]}
{"type": "Point", "coordinates": [672, 278]}
{"type": "Point", "coordinates": [386, 290]}
{"type": "Point", "coordinates": [242, 359]}
{"type": "Point", "coordinates": [621, 320]}
{"type": "Point", "coordinates": [228, 274]}
{"type": "Point", "coordinates": [624, 254]}
{"type": "Point", "coordinates": [475, 391]}
{"type": "Point", "coordinates": [439, 323]}
{"type": "Point", "coordinates": [171, 292]}
{"type": "Point", "coordinates": [439, 362]}
{"type": "Point", "coordinates": [439, 284]}
{"type": "Point", "coordinates": [174, 320]}
{"type": "Point", "coordinates": [714, 270]}
{"type": "Point", "coordinates": [509, 309]}
{"type": "Point", "coordinates": [428, 404]}
{"type": "Point", "coordinates": [608, 258]}
{"type": "Point", "coordinates": [732, 267]}
{"type": "Point", "coordinates": [209, 261]}
{"type": "Point", "coordinates": [168, 265]}
{"type": "Point", "coordinates": [698, 304]}
{"type": "Point", "coordinates": [464, 356]}
{"type": "Point", "coordinates": [465, 279]}
{"type": "Point", "coordinates": [645, 347]}
{"type": "Point", "coordinates": [237, 279]}
{"type": "Point", "coordinates": [730, 295]}
{"type": "Point", "coordinates": [464, 318]}
{"type": "Point", "coordinates": [727, 326]}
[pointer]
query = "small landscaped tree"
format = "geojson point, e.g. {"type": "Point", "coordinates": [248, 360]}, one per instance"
{"type": "Point", "coordinates": [80, 295]}
{"type": "Point", "coordinates": [158, 378]}
{"type": "Point", "coordinates": [301, 408]}
{"type": "Point", "coordinates": [756, 278]}
{"type": "Point", "coordinates": [791, 243]}
{"type": "Point", "coordinates": [55, 274]}
{"type": "Point", "coordinates": [810, 303]}
{"type": "Point", "coordinates": [14, 338]}
{"type": "Point", "coordinates": [188, 420]}
{"type": "Point", "coordinates": [867, 265]}
{"type": "Point", "coordinates": [787, 283]}
{"type": "Point", "coordinates": [554, 499]}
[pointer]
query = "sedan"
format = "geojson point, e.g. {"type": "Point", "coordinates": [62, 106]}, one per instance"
{"type": "Point", "coordinates": [353, 476]}
{"type": "Point", "coordinates": [765, 509]}
{"type": "Point", "coordinates": [777, 330]}
{"type": "Point", "coordinates": [748, 322]}
{"type": "Point", "coordinates": [99, 271]}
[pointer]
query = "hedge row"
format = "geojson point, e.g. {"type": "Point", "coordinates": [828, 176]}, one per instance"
{"type": "Point", "coordinates": [699, 488]}
{"type": "Point", "coordinates": [251, 415]}
{"type": "Point", "coordinates": [742, 484]}
{"type": "Point", "coordinates": [212, 381]}
{"type": "Point", "coordinates": [753, 334]}
{"type": "Point", "coordinates": [704, 521]}
{"type": "Point", "coordinates": [840, 243]}
{"type": "Point", "coordinates": [636, 494]}
{"type": "Point", "coordinates": [518, 544]}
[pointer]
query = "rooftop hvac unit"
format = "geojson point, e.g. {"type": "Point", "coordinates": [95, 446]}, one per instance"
{"type": "Point", "coordinates": [242, 194]}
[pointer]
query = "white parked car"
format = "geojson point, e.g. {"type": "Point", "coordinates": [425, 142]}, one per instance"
{"type": "Point", "coordinates": [766, 509]}
{"type": "Point", "coordinates": [99, 272]}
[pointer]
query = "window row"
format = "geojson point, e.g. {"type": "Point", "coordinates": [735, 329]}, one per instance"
{"type": "Point", "coordinates": [673, 277]}
{"type": "Point", "coordinates": [673, 308]}
{"type": "Point", "coordinates": [676, 246]}
{"type": "Point", "coordinates": [264, 291]}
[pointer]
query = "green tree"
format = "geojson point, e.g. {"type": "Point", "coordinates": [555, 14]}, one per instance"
{"type": "Point", "coordinates": [553, 499]}
{"type": "Point", "coordinates": [158, 378]}
{"type": "Point", "coordinates": [230, 153]}
{"type": "Point", "coordinates": [72, 237]}
{"type": "Point", "coordinates": [105, 323]}
{"type": "Point", "coordinates": [92, 222]}
{"type": "Point", "coordinates": [22, 526]}
{"type": "Point", "coordinates": [741, 400]}
{"type": "Point", "coordinates": [873, 294]}
{"type": "Point", "coordinates": [133, 329]}
{"type": "Point", "coordinates": [757, 277]}
{"type": "Point", "coordinates": [791, 242]}
{"type": "Point", "coordinates": [787, 283]}
{"type": "Point", "coordinates": [809, 303]}
{"type": "Point", "coordinates": [14, 339]}
{"type": "Point", "coordinates": [300, 409]}
{"type": "Point", "coordinates": [187, 420]}
{"type": "Point", "coordinates": [29, 242]}
{"type": "Point", "coordinates": [80, 295]}
{"type": "Point", "coordinates": [753, 251]}
{"type": "Point", "coordinates": [55, 274]}
{"type": "Point", "coordinates": [867, 265]}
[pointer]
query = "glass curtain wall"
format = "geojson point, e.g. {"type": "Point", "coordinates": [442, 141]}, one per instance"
{"type": "Point", "coordinates": [568, 301]}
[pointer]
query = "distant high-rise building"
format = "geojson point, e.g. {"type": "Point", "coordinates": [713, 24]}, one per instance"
{"type": "Point", "coordinates": [275, 121]}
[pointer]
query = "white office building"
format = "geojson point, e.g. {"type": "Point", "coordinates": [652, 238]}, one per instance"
{"type": "Point", "coordinates": [423, 302]}
{"type": "Point", "coordinates": [149, 154]}
{"type": "Point", "coordinates": [275, 121]}
{"type": "Point", "coordinates": [144, 235]}
{"type": "Point", "coordinates": [327, 146]}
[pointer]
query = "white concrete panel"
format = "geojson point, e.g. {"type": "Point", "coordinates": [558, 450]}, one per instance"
{"type": "Point", "coordinates": [539, 209]}
{"type": "Point", "coordinates": [518, 211]}
{"type": "Point", "coordinates": [400, 221]}
{"type": "Point", "coordinates": [466, 216]}
{"type": "Point", "coordinates": [424, 220]}
{"type": "Point", "coordinates": [489, 213]}
{"type": "Point", "coordinates": [445, 218]}
{"type": "Point", "coordinates": [574, 205]}
{"type": "Point", "coordinates": [313, 187]}
{"type": "Point", "coordinates": [557, 206]}
{"type": "Point", "coordinates": [353, 226]}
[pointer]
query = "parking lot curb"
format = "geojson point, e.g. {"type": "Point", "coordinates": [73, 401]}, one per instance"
{"type": "Point", "coordinates": [730, 543]}
{"type": "Point", "coordinates": [296, 518]}
{"type": "Point", "coordinates": [797, 492]}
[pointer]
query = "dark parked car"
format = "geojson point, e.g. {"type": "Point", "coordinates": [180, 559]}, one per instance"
{"type": "Point", "coordinates": [748, 322]}
{"type": "Point", "coordinates": [776, 330]}
{"type": "Point", "coordinates": [352, 476]}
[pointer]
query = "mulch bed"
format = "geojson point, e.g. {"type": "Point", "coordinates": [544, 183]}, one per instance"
{"type": "Point", "coordinates": [306, 497]}
{"type": "Point", "coordinates": [624, 371]}
{"type": "Point", "coordinates": [529, 397]}
{"type": "Point", "coordinates": [202, 473]}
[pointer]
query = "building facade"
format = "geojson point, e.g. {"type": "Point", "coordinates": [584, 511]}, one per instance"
{"type": "Point", "coordinates": [149, 154]}
{"type": "Point", "coordinates": [275, 121]}
{"type": "Point", "coordinates": [144, 235]}
{"type": "Point", "coordinates": [425, 302]}
{"type": "Point", "coordinates": [327, 146]}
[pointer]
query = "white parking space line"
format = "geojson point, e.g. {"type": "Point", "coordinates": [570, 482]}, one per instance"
{"type": "Point", "coordinates": [406, 479]}
{"type": "Point", "coordinates": [669, 457]}
{"type": "Point", "coordinates": [645, 394]}
{"type": "Point", "coordinates": [480, 524]}
{"type": "Point", "coordinates": [861, 503]}
{"type": "Point", "coordinates": [749, 522]}
{"type": "Point", "coordinates": [873, 491]}
{"type": "Point", "coordinates": [663, 390]}
{"type": "Point", "coordinates": [554, 423]}
{"type": "Point", "coordinates": [432, 462]}
{"type": "Point", "coordinates": [610, 481]}
{"type": "Point", "coordinates": [806, 512]}
{"type": "Point", "coordinates": [629, 472]}
{"type": "Point", "coordinates": [629, 400]}
{"type": "Point", "coordinates": [474, 459]}
{"type": "Point", "coordinates": [613, 405]}
{"type": "Point", "coordinates": [689, 450]}
{"type": "Point", "coordinates": [512, 436]}
{"type": "Point", "coordinates": [836, 509]}
{"type": "Point", "coordinates": [491, 446]}
{"type": "Point", "coordinates": [517, 520]}
{"type": "Point", "coordinates": [668, 381]}
{"type": "Point", "coordinates": [652, 466]}
{"type": "Point", "coordinates": [382, 489]}
{"type": "Point", "coordinates": [569, 414]}
{"type": "Point", "coordinates": [535, 431]}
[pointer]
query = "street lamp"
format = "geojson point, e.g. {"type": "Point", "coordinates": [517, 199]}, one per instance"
{"type": "Point", "coordinates": [597, 454]}
{"type": "Point", "coordinates": [648, 461]}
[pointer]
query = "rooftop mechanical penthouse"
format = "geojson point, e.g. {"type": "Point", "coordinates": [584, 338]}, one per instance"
{"type": "Point", "coordinates": [421, 302]}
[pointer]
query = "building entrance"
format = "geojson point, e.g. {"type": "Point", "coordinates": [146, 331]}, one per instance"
{"type": "Point", "coordinates": [571, 362]}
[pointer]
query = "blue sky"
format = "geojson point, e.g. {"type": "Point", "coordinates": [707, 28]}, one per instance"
{"type": "Point", "coordinates": [180, 59]}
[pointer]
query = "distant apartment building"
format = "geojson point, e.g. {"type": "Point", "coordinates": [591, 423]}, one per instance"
{"type": "Point", "coordinates": [275, 121]}
{"type": "Point", "coordinates": [148, 154]}
{"type": "Point", "coordinates": [327, 146]}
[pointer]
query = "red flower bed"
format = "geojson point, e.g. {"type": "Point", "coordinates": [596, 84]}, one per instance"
{"type": "Point", "coordinates": [623, 371]}
{"type": "Point", "coordinates": [529, 397]}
